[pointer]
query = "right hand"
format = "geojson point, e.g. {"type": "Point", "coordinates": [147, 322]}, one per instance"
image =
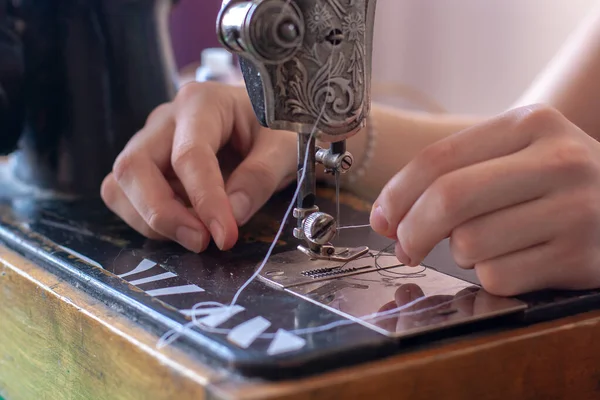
{"type": "Point", "coordinates": [171, 180]}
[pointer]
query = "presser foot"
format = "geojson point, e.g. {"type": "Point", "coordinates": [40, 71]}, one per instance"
{"type": "Point", "coordinates": [331, 253]}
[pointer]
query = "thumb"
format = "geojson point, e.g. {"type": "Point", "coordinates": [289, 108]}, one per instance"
{"type": "Point", "coordinates": [271, 161]}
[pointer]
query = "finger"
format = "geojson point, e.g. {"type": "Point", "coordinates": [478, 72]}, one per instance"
{"type": "Point", "coordinates": [202, 128]}
{"type": "Point", "coordinates": [155, 202]}
{"type": "Point", "coordinates": [156, 137]}
{"type": "Point", "coordinates": [537, 268]}
{"type": "Point", "coordinates": [462, 195]}
{"type": "Point", "coordinates": [118, 203]}
{"type": "Point", "coordinates": [260, 174]}
{"type": "Point", "coordinates": [140, 173]}
{"type": "Point", "coordinates": [496, 138]}
{"type": "Point", "coordinates": [509, 230]}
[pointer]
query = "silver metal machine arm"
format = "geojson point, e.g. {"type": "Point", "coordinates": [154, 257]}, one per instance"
{"type": "Point", "coordinates": [307, 69]}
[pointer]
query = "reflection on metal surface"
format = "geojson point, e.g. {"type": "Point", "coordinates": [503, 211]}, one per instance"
{"type": "Point", "coordinates": [392, 299]}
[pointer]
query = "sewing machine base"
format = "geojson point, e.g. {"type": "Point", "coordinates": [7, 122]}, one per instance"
{"type": "Point", "coordinates": [157, 284]}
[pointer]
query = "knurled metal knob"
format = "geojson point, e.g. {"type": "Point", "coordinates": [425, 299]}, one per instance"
{"type": "Point", "coordinates": [319, 228]}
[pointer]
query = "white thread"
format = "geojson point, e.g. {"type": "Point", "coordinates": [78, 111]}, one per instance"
{"type": "Point", "coordinates": [354, 227]}
{"type": "Point", "coordinates": [296, 193]}
{"type": "Point", "coordinates": [173, 335]}
{"type": "Point", "coordinates": [285, 218]}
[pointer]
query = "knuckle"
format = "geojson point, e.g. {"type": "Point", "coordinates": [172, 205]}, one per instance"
{"type": "Point", "coordinates": [263, 173]}
{"type": "Point", "coordinates": [182, 154]}
{"type": "Point", "coordinates": [157, 219]}
{"type": "Point", "coordinates": [189, 91]}
{"type": "Point", "coordinates": [431, 159]}
{"type": "Point", "coordinates": [124, 163]}
{"type": "Point", "coordinates": [539, 117]}
{"type": "Point", "coordinates": [389, 193]}
{"type": "Point", "coordinates": [108, 189]}
{"type": "Point", "coordinates": [194, 90]}
{"type": "Point", "coordinates": [158, 111]}
{"type": "Point", "coordinates": [494, 283]}
{"type": "Point", "coordinates": [445, 198]}
{"type": "Point", "coordinates": [464, 245]}
{"type": "Point", "coordinates": [408, 242]}
{"type": "Point", "coordinates": [198, 198]}
{"type": "Point", "coordinates": [572, 157]}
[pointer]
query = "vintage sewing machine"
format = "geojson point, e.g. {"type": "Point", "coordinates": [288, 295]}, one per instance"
{"type": "Point", "coordinates": [325, 299]}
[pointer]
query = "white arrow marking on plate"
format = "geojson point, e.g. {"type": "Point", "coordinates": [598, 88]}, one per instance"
{"type": "Point", "coordinates": [220, 316]}
{"type": "Point", "coordinates": [144, 265]}
{"type": "Point", "coordinates": [245, 334]}
{"type": "Point", "coordinates": [175, 290]}
{"type": "Point", "coordinates": [284, 342]}
{"type": "Point", "coordinates": [154, 278]}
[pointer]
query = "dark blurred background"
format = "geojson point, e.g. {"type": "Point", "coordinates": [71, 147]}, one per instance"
{"type": "Point", "coordinates": [193, 29]}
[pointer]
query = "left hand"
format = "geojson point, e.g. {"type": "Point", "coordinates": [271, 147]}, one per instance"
{"type": "Point", "coordinates": [518, 196]}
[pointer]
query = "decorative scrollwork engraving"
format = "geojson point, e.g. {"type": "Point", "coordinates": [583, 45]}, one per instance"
{"type": "Point", "coordinates": [312, 59]}
{"type": "Point", "coordinates": [326, 80]}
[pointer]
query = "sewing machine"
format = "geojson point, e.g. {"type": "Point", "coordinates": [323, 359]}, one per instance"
{"type": "Point", "coordinates": [66, 258]}
{"type": "Point", "coordinates": [307, 68]}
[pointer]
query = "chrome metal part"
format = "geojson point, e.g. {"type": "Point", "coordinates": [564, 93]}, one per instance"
{"type": "Point", "coordinates": [307, 68]}
{"type": "Point", "coordinates": [331, 253]}
{"type": "Point", "coordinates": [396, 301]}
{"type": "Point", "coordinates": [269, 32]}
{"type": "Point", "coordinates": [309, 62]}
{"type": "Point", "coordinates": [334, 161]}
{"type": "Point", "coordinates": [291, 269]}
{"type": "Point", "coordinates": [319, 228]}
{"type": "Point", "coordinates": [302, 213]}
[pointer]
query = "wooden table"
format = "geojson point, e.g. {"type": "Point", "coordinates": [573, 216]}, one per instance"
{"type": "Point", "coordinates": [56, 342]}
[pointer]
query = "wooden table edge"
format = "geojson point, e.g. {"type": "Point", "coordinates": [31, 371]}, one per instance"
{"type": "Point", "coordinates": [468, 367]}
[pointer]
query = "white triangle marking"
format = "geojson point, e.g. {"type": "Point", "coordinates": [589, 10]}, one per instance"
{"type": "Point", "coordinates": [144, 265]}
{"type": "Point", "coordinates": [284, 342]}
{"type": "Point", "coordinates": [220, 316]}
{"type": "Point", "coordinates": [246, 333]}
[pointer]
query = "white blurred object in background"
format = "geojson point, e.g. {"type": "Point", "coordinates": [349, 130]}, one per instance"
{"type": "Point", "coordinates": [470, 56]}
{"type": "Point", "coordinates": [217, 65]}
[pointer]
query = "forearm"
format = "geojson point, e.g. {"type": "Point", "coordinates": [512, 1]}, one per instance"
{"type": "Point", "coordinates": [571, 82]}
{"type": "Point", "coordinates": [397, 136]}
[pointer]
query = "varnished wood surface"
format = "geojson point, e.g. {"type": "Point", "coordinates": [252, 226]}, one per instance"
{"type": "Point", "coordinates": [56, 342]}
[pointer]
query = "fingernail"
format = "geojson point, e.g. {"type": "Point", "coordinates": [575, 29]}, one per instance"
{"type": "Point", "coordinates": [401, 255]}
{"type": "Point", "coordinates": [240, 204]}
{"type": "Point", "coordinates": [378, 221]}
{"type": "Point", "coordinates": [218, 233]}
{"type": "Point", "coordinates": [190, 239]}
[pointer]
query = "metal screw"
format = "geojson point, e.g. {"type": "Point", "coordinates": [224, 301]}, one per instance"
{"type": "Point", "coordinates": [319, 228]}
{"type": "Point", "coordinates": [346, 163]}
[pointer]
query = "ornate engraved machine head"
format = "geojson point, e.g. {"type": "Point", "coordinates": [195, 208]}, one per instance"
{"type": "Point", "coordinates": [304, 61]}
{"type": "Point", "coordinates": [307, 68]}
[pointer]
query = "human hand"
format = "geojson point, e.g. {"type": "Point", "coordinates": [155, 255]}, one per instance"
{"type": "Point", "coordinates": [518, 196]}
{"type": "Point", "coordinates": [201, 166]}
